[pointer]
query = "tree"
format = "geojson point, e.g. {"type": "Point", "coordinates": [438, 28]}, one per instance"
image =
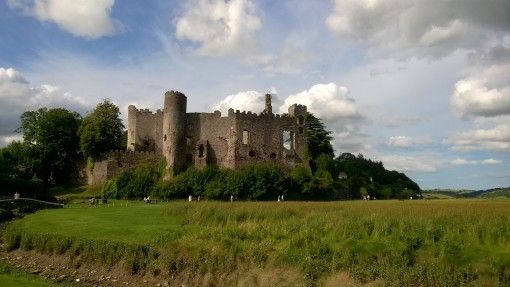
{"type": "Point", "coordinates": [319, 140]}
{"type": "Point", "coordinates": [101, 130]}
{"type": "Point", "coordinates": [52, 142]}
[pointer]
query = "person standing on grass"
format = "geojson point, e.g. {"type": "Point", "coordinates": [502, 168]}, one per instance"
{"type": "Point", "coordinates": [16, 195]}
{"type": "Point", "coordinates": [190, 198]}
{"type": "Point", "coordinates": [231, 198]}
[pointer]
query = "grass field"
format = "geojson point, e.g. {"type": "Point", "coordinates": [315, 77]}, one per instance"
{"type": "Point", "coordinates": [412, 243]}
{"type": "Point", "coordinates": [11, 277]}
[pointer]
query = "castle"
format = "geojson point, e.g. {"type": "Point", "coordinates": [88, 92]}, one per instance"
{"type": "Point", "coordinates": [201, 139]}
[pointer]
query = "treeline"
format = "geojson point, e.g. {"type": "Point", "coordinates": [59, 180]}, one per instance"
{"type": "Point", "coordinates": [358, 177]}
{"type": "Point", "coordinates": [56, 145]}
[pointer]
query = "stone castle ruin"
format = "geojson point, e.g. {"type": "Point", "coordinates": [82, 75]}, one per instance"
{"type": "Point", "coordinates": [200, 139]}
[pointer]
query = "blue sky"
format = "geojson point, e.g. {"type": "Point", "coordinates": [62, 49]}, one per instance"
{"type": "Point", "coordinates": [423, 87]}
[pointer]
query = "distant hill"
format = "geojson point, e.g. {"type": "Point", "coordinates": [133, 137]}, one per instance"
{"type": "Point", "coordinates": [465, 193]}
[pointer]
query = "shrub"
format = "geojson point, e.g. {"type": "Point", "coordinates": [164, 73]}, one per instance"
{"type": "Point", "coordinates": [132, 184]}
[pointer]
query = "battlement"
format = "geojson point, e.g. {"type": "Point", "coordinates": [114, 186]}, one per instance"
{"type": "Point", "coordinates": [143, 112]}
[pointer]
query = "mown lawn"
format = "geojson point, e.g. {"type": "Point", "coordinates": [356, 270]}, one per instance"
{"type": "Point", "coordinates": [418, 243]}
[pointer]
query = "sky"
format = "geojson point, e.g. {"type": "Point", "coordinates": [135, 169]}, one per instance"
{"type": "Point", "coordinates": [423, 86]}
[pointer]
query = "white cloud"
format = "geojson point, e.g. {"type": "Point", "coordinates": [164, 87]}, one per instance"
{"type": "Point", "coordinates": [491, 161]}
{"type": "Point", "coordinates": [219, 28]}
{"type": "Point", "coordinates": [18, 96]}
{"type": "Point", "coordinates": [327, 101]}
{"type": "Point", "coordinates": [244, 101]}
{"type": "Point", "coordinates": [415, 28]}
{"type": "Point", "coordinates": [461, 161]}
{"type": "Point", "coordinates": [400, 141]}
{"type": "Point", "coordinates": [412, 163]}
{"type": "Point", "coordinates": [492, 139]}
{"type": "Point", "coordinates": [486, 90]}
{"type": "Point", "coordinates": [83, 18]}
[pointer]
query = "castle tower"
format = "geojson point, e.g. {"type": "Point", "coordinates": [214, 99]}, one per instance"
{"type": "Point", "coordinates": [299, 112]}
{"type": "Point", "coordinates": [268, 109]}
{"type": "Point", "coordinates": [174, 123]}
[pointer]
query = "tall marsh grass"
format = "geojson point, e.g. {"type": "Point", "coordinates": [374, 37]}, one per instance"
{"type": "Point", "coordinates": [404, 243]}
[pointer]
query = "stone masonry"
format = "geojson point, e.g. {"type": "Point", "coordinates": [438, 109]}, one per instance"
{"type": "Point", "coordinates": [201, 139]}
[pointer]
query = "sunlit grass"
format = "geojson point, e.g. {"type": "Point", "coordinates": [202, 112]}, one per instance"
{"type": "Point", "coordinates": [428, 243]}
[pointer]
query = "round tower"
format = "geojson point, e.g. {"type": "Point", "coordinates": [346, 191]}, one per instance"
{"type": "Point", "coordinates": [174, 123]}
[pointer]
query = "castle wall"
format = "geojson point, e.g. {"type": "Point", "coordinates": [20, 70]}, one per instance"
{"type": "Point", "coordinates": [116, 162]}
{"type": "Point", "coordinates": [213, 132]}
{"type": "Point", "coordinates": [145, 128]}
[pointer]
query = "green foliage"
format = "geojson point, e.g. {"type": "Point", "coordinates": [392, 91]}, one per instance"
{"type": "Point", "coordinates": [318, 139]}
{"type": "Point", "coordinates": [402, 243]}
{"type": "Point", "coordinates": [374, 178]}
{"type": "Point", "coordinates": [101, 130]}
{"type": "Point", "coordinates": [51, 144]}
{"type": "Point", "coordinates": [253, 182]}
{"type": "Point", "coordinates": [132, 184]}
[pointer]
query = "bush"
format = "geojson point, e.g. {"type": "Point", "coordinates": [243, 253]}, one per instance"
{"type": "Point", "coordinates": [132, 184]}
{"type": "Point", "coordinates": [5, 215]}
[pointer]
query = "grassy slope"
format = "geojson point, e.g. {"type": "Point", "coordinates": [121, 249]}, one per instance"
{"type": "Point", "coordinates": [10, 277]}
{"type": "Point", "coordinates": [403, 242]}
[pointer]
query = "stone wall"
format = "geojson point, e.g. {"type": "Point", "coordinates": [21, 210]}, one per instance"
{"type": "Point", "coordinates": [116, 162]}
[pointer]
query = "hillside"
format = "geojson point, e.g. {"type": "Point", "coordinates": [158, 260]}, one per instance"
{"type": "Point", "coordinates": [465, 193]}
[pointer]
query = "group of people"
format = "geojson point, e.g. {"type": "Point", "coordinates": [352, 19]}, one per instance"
{"type": "Point", "coordinates": [190, 198]}
{"type": "Point", "coordinates": [147, 199]}
{"type": "Point", "coordinates": [280, 198]}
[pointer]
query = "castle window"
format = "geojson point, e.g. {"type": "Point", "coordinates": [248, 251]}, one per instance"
{"type": "Point", "coordinates": [252, 153]}
{"type": "Point", "coordinates": [164, 137]}
{"type": "Point", "coordinates": [300, 130]}
{"type": "Point", "coordinates": [288, 139]}
{"type": "Point", "coordinates": [301, 119]}
{"type": "Point", "coordinates": [272, 156]}
{"type": "Point", "coordinates": [246, 137]}
{"type": "Point", "coordinates": [201, 150]}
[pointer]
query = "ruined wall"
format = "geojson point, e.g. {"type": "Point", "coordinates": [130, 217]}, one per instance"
{"type": "Point", "coordinates": [116, 162]}
{"type": "Point", "coordinates": [212, 133]}
{"type": "Point", "coordinates": [260, 138]}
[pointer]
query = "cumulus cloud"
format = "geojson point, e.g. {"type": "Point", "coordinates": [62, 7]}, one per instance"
{"type": "Point", "coordinates": [18, 96]}
{"type": "Point", "coordinates": [486, 90]}
{"type": "Point", "coordinates": [219, 27]}
{"type": "Point", "coordinates": [243, 101]}
{"type": "Point", "coordinates": [327, 101]}
{"type": "Point", "coordinates": [492, 139]}
{"type": "Point", "coordinates": [414, 28]}
{"type": "Point", "coordinates": [83, 18]}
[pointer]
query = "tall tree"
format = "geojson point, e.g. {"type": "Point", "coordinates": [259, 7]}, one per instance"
{"type": "Point", "coordinates": [101, 130]}
{"type": "Point", "coordinates": [53, 143]}
{"type": "Point", "coordinates": [319, 140]}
